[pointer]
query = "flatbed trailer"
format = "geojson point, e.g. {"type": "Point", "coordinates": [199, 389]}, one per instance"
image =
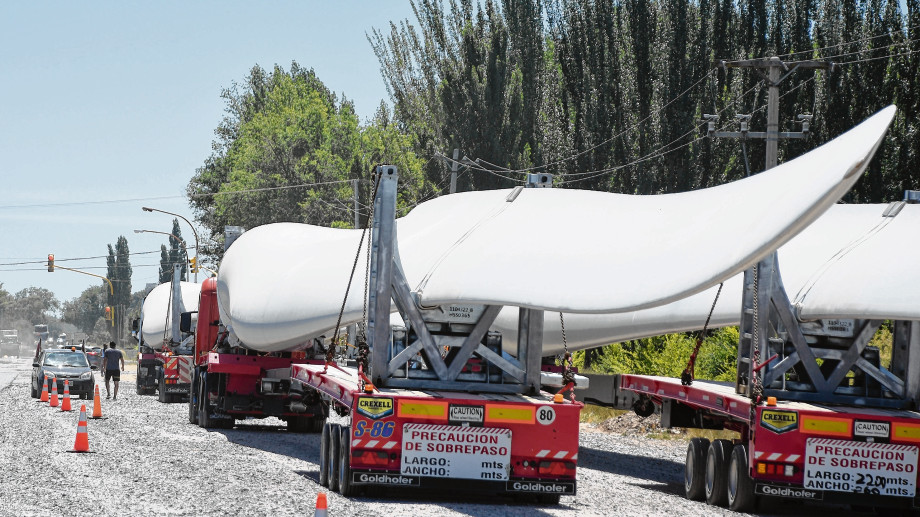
{"type": "Point", "coordinates": [512, 444]}
{"type": "Point", "coordinates": [167, 374]}
{"type": "Point", "coordinates": [438, 403]}
{"type": "Point", "coordinates": [231, 382]}
{"type": "Point", "coordinates": [819, 418]}
{"type": "Point", "coordinates": [799, 450]}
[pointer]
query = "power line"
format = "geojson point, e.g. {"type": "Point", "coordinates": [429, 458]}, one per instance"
{"type": "Point", "coordinates": [199, 195]}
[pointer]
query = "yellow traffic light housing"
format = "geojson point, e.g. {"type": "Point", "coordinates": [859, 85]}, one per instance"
{"type": "Point", "coordinates": [193, 264]}
{"type": "Point", "coordinates": [50, 263]}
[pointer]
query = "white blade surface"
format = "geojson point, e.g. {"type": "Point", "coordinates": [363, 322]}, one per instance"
{"type": "Point", "coordinates": [156, 327]}
{"type": "Point", "coordinates": [851, 263]}
{"type": "Point", "coordinates": [552, 249]}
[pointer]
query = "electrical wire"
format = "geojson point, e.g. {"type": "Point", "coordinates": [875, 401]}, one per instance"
{"type": "Point", "coordinates": [200, 195]}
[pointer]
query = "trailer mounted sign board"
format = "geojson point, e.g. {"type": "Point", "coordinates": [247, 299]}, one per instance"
{"type": "Point", "coordinates": [860, 467]}
{"type": "Point", "coordinates": [450, 451]}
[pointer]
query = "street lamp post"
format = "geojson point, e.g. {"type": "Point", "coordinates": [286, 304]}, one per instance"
{"type": "Point", "coordinates": [181, 242]}
{"type": "Point", "coordinates": [148, 209]}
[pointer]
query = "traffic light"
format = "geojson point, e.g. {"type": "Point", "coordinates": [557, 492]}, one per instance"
{"type": "Point", "coordinates": [108, 313]}
{"type": "Point", "coordinates": [193, 264]}
{"type": "Point", "coordinates": [50, 263]}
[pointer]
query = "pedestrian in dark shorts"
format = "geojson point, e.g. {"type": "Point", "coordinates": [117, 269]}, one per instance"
{"type": "Point", "coordinates": [113, 362]}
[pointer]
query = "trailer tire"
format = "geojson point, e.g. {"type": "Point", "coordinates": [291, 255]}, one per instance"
{"type": "Point", "coordinates": [695, 469]}
{"type": "Point", "coordinates": [161, 392]}
{"type": "Point", "coordinates": [204, 412]}
{"type": "Point", "coordinates": [299, 424]}
{"type": "Point", "coordinates": [717, 472]}
{"type": "Point", "coordinates": [324, 456]}
{"type": "Point", "coordinates": [740, 486]}
{"type": "Point", "coordinates": [333, 458]}
{"type": "Point", "coordinates": [317, 424]}
{"type": "Point", "coordinates": [193, 399]}
{"type": "Point", "coordinates": [345, 486]}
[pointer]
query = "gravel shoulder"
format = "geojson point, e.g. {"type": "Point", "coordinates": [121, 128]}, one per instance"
{"type": "Point", "coordinates": [147, 459]}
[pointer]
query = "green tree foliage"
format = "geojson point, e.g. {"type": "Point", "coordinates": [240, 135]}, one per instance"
{"type": "Point", "coordinates": [609, 95]}
{"type": "Point", "coordinates": [85, 310]}
{"type": "Point", "coordinates": [35, 305]}
{"type": "Point", "coordinates": [176, 254]}
{"type": "Point", "coordinates": [668, 355]}
{"type": "Point", "coordinates": [288, 150]}
{"type": "Point", "coordinates": [119, 272]}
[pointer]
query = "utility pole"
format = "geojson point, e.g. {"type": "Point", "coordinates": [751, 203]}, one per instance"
{"type": "Point", "coordinates": [775, 67]}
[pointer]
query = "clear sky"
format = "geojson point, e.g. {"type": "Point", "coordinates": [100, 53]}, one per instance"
{"type": "Point", "coordinates": [108, 106]}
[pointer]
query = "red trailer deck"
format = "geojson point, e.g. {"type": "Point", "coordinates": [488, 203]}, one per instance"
{"type": "Point", "coordinates": [498, 443]}
{"type": "Point", "coordinates": [860, 455]}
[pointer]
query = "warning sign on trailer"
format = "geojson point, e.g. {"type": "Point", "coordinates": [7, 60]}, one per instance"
{"type": "Point", "coordinates": [861, 467]}
{"type": "Point", "coordinates": [456, 452]}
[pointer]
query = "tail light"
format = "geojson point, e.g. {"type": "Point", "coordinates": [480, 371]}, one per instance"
{"type": "Point", "coordinates": [776, 469]}
{"type": "Point", "coordinates": [556, 468]}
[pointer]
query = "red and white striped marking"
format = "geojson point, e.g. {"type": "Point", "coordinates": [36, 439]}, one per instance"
{"type": "Point", "coordinates": [455, 429]}
{"type": "Point", "coordinates": [846, 443]}
{"type": "Point", "coordinates": [558, 455]}
{"type": "Point", "coordinates": [181, 367]}
{"type": "Point", "coordinates": [373, 443]}
{"type": "Point", "coordinates": [776, 456]}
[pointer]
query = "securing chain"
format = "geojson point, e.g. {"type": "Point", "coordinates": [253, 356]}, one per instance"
{"type": "Point", "coordinates": [568, 365]}
{"type": "Point", "coordinates": [755, 386]}
{"type": "Point", "coordinates": [686, 378]}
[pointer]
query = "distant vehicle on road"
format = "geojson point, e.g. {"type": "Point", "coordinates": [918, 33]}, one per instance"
{"type": "Point", "coordinates": [94, 355]}
{"type": "Point", "coordinates": [9, 342]}
{"type": "Point", "coordinates": [60, 365]}
{"type": "Point", "coordinates": [40, 332]}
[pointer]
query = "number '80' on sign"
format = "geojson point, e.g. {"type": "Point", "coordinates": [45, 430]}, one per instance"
{"type": "Point", "coordinates": [546, 415]}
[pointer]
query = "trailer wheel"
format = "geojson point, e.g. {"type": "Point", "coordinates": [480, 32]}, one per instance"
{"type": "Point", "coordinates": [317, 424]}
{"type": "Point", "coordinates": [161, 394]}
{"type": "Point", "coordinates": [204, 411]}
{"type": "Point", "coordinates": [740, 486]}
{"type": "Point", "coordinates": [324, 456]}
{"type": "Point", "coordinates": [193, 399]}
{"type": "Point", "coordinates": [695, 469]}
{"type": "Point", "coordinates": [345, 486]}
{"type": "Point", "coordinates": [333, 458]}
{"type": "Point", "coordinates": [717, 472]}
{"type": "Point", "coordinates": [299, 424]}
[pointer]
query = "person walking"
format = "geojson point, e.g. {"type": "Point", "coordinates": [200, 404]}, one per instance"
{"type": "Point", "coordinates": [113, 362]}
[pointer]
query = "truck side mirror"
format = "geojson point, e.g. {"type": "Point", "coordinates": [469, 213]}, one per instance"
{"type": "Point", "coordinates": [135, 324]}
{"type": "Point", "coordinates": [185, 322]}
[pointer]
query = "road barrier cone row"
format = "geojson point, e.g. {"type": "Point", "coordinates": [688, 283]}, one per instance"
{"type": "Point", "coordinates": [81, 444]}
{"type": "Point", "coordinates": [54, 394]}
{"type": "Point", "coordinates": [44, 397]}
{"type": "Point", "coordinates": [65, 402]}
{"type": "Point", "coordinates": [321, 505]}
{"type": "Point", "coordinates": [97, 404]}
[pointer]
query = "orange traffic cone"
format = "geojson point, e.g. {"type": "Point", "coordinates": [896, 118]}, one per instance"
{"type": "Point", "coordinates": [81, 444]}
{"type": "Point", "coordinates": [44, 397]}
{"type": "Point", "coordinates": [97, 404]}
{"type": "Point", "coordinates": [320, 505]}
{"type": "Point", "coordinates": [65, 402]}
{"type": "Point", "coordinates": [54, 394]}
